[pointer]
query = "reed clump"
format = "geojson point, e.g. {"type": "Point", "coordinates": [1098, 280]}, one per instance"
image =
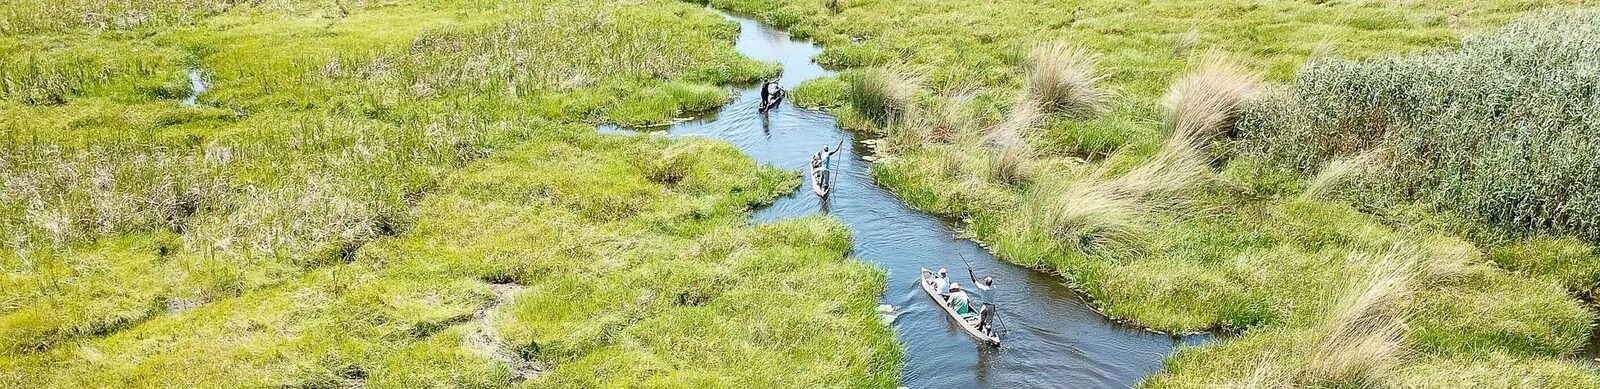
{"type": "Point", "coordinates": [1204, 104]}
{"type": "Point", "coordinates": [1511, 141]}
{"type": "Point", "coordinates": [882, 95]}
{"type": "Point", "coordinates": [1065, 78]}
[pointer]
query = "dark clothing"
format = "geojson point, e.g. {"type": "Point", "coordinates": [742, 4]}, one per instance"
{"type": "Point", "coordinates": [770, 93]}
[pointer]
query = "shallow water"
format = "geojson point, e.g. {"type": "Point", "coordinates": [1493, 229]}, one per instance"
{"type": "Point", "coordinates": [197, 85]}
{"type": "Point", "coordinates": [1051, 340]}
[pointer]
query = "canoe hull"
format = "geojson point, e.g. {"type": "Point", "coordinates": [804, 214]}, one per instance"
{"type": "Point", "coordinates": [767, 106]}
{"type": "Point", "coordinates": [971, 329]}
{"type": "Point", "coordinates": [816, 182]}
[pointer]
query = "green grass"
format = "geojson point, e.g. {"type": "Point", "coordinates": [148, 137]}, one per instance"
{"type": "Point", "coordinates": [631, 279]}
{"type": "Point", "coordinates": [1251, 248]}
{"type": "Point", "coordinates": [370, 191]}
{"type": "Point", "coordinates": [826, 92]}
{"type": "Point", "coordinates": [320, 133]}
{"type": "Point", "coordinates": [335, 208]}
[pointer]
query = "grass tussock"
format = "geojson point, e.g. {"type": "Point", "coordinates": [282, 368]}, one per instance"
{"type": "Point", "coordinates": [1024, 115]}
{"type": "Point", "coordinates": [1337, 173]}
{"type": "Point", "coordinates": [1066, 78]}
{"type": "Point", "coordinates": [1010, 165]}
{"type": "Point", "coordinates": [1204, 104]}
{"type": "Point", "coordinates": [1186, 41]}
{"type": "Point", "coordinates": [882, 95]}
{"type": "Point", "coordinates": [1363, 338]}
{"type": "Point", "coordinates": [1105, 213]}
{"type": "Point", "coordinates": [950, 120]}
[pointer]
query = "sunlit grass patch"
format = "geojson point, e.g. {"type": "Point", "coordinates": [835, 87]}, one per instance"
{"type": "Point", "coordinates": [611, 293]}
{"type": "Point", "coordinates": [322, 135]}
{"type": "Point", "coordinates": [882, 96]}
{"type": "Point", "coordinates": [821, 93]}
{"type": "Point", "coordinates": [1567, 261]}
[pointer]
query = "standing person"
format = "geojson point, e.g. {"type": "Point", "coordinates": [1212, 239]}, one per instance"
{"type": "Point", "coordinates": [771, 94]}
{"type": "Point", "coordinates": [986, 305]}
{"type": "Point", "coordinates": [822, 165]}
{"type": "Point", "coordinates": [825, 157]}
{"type": "Point", "coordinates": [984, 286]}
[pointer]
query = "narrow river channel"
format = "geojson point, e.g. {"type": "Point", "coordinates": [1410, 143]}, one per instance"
{"type": "Point", "coordinates": [1052, 338]}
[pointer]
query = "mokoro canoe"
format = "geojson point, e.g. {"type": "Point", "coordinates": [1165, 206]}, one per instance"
{"type": "Point", "coordinates": [970, 327]}
{"type": "Point", "coordinates": [817, 185]}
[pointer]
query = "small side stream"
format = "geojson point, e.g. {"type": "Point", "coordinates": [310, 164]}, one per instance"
{"type": "Point", "coordinates": [197, 85]}
{"type": "Point", "coordinates": [1053, 338]}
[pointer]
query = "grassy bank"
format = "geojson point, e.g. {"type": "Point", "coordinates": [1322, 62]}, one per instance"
{"type": "Point", "coordinates": [326, 215]}
{"type": "Point", "coordinates": [588, 265]}
{"type": "Point", "coordinates": [320, 132]}
{"type": "Point", "coordinates": [1097, 140]}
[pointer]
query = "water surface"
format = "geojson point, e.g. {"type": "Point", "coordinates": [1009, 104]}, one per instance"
{"type": "Point", "coordinates": [1051, 340]}
{"type": "Point", "coordinates": [197, 85]}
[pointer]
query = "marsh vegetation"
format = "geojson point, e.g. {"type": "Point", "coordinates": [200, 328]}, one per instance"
{"type": "Point", "coordinates": [410, 194]}
{"type": "Point", "coordinates": [1391, 216]}
{"type": "Point", "coordinates": [360, 184]}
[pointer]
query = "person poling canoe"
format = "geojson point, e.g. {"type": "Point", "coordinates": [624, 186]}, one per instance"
{"type": "Point", "coordinates": [986, 310]}
{"type": "Point", "coordinates": [821, 167]}
{"type": "Point", "coordinates": [771, 95]}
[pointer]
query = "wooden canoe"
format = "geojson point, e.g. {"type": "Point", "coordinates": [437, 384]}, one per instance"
{"type": "Point", "coordinates": [816, 181]}
{"type": "Point", "coordinates": [772, 102]}
{"type": "Point", "coordinates": [970, 327]}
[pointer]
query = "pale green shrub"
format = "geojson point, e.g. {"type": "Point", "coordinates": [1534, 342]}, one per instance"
{"type": "Point", "coordinates": [1507, 127]}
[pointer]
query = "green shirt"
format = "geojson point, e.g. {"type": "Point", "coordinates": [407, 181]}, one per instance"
{"type": "Point", "coordinates": [962, 304]}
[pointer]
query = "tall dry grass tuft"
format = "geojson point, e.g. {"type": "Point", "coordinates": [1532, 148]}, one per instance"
{"type": "Point", "coordinates": [1089, 220]}
{"type": "Point", "coordinates": [1205, 103]}
{"type": "Point", "coordinates": [1337, 172]}
{"type": "Point", "coordinates": [1186, 41]}
{"type": "Point", "coordinates": [1104, 213]}
{"type": "Point", "coordinates": [1065, 78]}
{"type": "Point", "coordinates": [883, 95]}
{"type": "Point", "coordinates": [1010, 165]}
{"type": "Point", "coordinates": [949, 120]}
{"type": "Point", "coordinates": [1179, 165]}
{"type": "Point", "coordinates": [903, 135]}
{"type": "Point", "coordinates": [1363, 337]}
{"type": "Point", "coordinates": [1023, 116]}
{"type": "Point", "coordinates": [1448, 260]}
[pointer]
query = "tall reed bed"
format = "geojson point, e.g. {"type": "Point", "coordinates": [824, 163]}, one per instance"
{"type": "Point", "coordinates": [1507, 127]}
